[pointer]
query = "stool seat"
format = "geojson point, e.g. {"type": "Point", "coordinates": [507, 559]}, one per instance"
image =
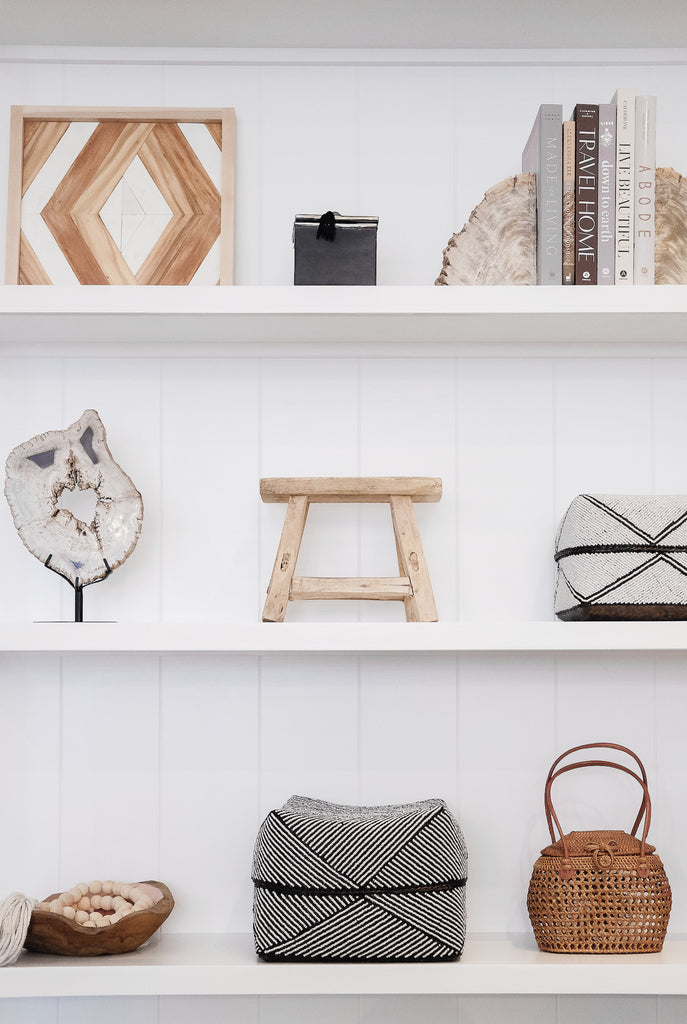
{"type": "Point", "coordinates": [350, 488]}
{"type": "Point", "coordinates": [413, 587]}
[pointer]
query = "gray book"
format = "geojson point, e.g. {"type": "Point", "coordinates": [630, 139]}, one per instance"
{"type": "Point", "coordinates": [607, 164]}
{"type": "Point", "coordinates": [543, 157]}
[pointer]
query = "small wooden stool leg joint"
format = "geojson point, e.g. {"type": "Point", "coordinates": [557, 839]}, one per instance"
{"type": "Point", "coordinates": [413, 586]}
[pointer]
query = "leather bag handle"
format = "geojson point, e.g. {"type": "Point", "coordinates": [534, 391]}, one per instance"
{"type": "Point", "coordinates": [644, 811]}
{"type": "Point", "coordinates": [592, 746]}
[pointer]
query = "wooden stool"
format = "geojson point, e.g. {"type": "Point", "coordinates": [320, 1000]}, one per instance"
{"type": "Point", "coordinates": [413, 587]}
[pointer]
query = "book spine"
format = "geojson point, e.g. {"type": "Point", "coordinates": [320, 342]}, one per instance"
{"type": "Point", "coordinates": [607, 158]}
{"type": "Point", "coordinates": [625, 178]}
{"type": "Point", "coordinates": [586, 192]}
{"type": "Point", "coordinates": [542, 156]}
{"type": "Point", "coordinates": [568, 202]}
{"type": "Point", "coordinates": [645, 189]}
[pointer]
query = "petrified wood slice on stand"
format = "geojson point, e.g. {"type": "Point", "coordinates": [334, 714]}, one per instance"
{"type": "Point", "coordinates": [43, 471]}
{"type": "Point", "coordinates": [498, 243]}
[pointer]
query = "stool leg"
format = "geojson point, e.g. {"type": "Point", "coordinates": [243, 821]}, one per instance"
{"type": "Point", "coordinates": [420, 607]}
{"type": "Point", "coordinates": [285, 562]}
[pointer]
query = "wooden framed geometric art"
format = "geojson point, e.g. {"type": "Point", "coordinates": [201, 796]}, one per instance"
{"type": "Point", "coordinates": [121, 196]}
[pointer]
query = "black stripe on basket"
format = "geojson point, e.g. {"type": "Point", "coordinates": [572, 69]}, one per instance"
{"type": "Point", "coordinates": [609, 549]}
{"type": "Point", "coordinates": [386, 890]}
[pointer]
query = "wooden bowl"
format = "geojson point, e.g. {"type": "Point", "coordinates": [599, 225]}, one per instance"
{"type": "Point", "coordinates": [52, 933]}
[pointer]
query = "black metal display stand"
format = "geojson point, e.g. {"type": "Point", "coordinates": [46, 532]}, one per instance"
{"type": "Point", "coordinates": [78, 586]}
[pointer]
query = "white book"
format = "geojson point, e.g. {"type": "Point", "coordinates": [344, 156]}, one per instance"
{"type": "Point", "coordinates": [645, 189]}
{"type": "Point", "coordinates": [624, 100]}
{"type": "Point", "coordinates": [543, 156]}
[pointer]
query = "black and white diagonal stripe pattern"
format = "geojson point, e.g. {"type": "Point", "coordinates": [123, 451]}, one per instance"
{"type": "Point", "coordinates": [351, 883]}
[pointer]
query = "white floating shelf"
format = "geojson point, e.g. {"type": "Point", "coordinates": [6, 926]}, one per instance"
{"type": "Point", "coordinates": [342, 637]}
{"type": "Point", "coordinates": [285, 320]}
{"type": "Point", "coordinates": [227, 965]}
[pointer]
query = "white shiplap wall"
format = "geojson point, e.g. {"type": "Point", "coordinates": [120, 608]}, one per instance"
{"type": "Point", "coordinates": [139, 766]}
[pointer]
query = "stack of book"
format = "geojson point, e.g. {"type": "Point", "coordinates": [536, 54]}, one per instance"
{"type": "Point", "coordinates": [596, 191]}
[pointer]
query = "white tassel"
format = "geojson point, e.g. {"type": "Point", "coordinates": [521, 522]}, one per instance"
{"type": "Point", "coordinates": [15, 918]}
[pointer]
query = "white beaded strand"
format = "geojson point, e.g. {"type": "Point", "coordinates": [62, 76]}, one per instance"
{"type": "Point", "coordinates": [84, 902]}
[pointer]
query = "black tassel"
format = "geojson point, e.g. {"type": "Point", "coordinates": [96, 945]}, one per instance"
{"type": "Point", "coordinates": [327, 227]}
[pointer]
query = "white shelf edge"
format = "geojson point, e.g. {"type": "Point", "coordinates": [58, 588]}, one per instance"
{"type": "Point", "coordinates": [288, 300]}
{"type": "Point", "coordinates": [342, 637]}
{"type": "Point", "coordinates": [331, 321]}
{"type": "Point", "coordinates": [219, 964]}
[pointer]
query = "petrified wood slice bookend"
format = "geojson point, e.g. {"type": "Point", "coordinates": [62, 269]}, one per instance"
{"type": "Point", "coordinates": [498, 243]}
{"type": "Point", "coordinates": [413, 586]}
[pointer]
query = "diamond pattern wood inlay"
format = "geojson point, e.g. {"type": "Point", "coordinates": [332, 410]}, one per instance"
{"type": "Point", "coordinates": [122, 200]}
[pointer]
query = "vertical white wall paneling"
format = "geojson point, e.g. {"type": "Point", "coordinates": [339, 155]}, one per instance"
{"type": "Point", "coordinates": [309, 427]}
{"type": "Point", "coordinates": [506, 716]}
{"type": "Point", "coordinates": [408, 723]}
{"type": "Point", "coordinates": [405, 170]}
{"type": "Point", "coordinates": [85, 1010]}
{"type": "Point", "coordinates": [308, 729]}
{"type": "Point", "coordinates": [126, 395]}
{"type": "Point", "coordinates": [202, 86]}
{"type": "Point", "coordinates": [109, 771]}
{"type": "Point", "coordinates": [407, 428]}
{"type": "Point", "coordinates": [309, 1010]}
{"type": "Point", "coordinates": [628, 1009]}
{"type": "Point", "coordinates": [669, 379]}
{"type": "Point", "coordinates": [666, 83]}
{"type": "Point", "coordinates": [507, 1009]}
{"type": "Point", "coordinates": [669, 829]}
{"type": "Point", "coordinates": [113, 85]}
{"type": "Point", "coordinates": [29, 1011]}
{"type": "Point", "coordinates": [30, 792]}
{"type": "Point", "coordinates": [30, 404]}
{"type": "Point", "coordinates": [208, 1010]}
{"type": "Point", "coordinates": [210, 493]}
{"type": "Point", "coordinates": [669, 783]}
{"type": "Point", "coordinates": [604, 423]}
{"type": "Point", "coordinates": [671, 1009]}
{"type": "Point", "coordinates": [505, 480]}
{"type": "Point", "coordinates": [208, 790]}
{"type": "Point", "coordinates": [308, 158]}
{"type": "Point", "coordinates": [605, 683]}
{"type": "Point", "coordinates": [408, 1009]}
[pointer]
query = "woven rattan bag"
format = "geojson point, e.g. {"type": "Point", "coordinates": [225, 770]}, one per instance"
{"type": "Point", "coordinates": [602, 891]}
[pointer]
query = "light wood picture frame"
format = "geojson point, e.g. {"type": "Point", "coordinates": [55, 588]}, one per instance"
{"type": "Point", "coordinates": [121, 196]}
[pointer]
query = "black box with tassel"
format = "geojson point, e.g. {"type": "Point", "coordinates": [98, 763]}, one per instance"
{"type": "Point", "coordinates": [333, 249]}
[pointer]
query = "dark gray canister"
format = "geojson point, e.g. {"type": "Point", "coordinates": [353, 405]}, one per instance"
{"type": "Point", "coordinates": [333, 249]}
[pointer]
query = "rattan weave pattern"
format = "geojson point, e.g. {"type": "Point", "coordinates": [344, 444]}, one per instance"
{"type": "Point", "coordinates": [600, 891]}
{"type": "Point", "coordinates": [599, 910]}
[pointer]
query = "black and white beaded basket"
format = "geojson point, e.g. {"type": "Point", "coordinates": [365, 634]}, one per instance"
{"type": "Point", "coordinates": [342, 883]}
{"type": "Point", "coordinates": [623, 556]}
